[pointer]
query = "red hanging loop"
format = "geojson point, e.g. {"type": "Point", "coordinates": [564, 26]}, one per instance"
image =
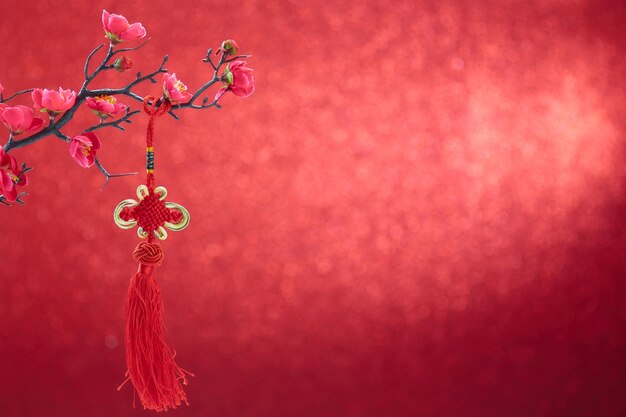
{"type": "Point", "coordinates": [153, 107]}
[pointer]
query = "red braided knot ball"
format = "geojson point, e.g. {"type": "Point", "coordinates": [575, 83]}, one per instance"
{"type": "Point", "coordinates": [149, 253]}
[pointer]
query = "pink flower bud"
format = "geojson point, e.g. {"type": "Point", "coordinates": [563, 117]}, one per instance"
{"type": "Point", "coordinates": [229, 47]}
{"type": "Point", "coordinates": [122, 64]}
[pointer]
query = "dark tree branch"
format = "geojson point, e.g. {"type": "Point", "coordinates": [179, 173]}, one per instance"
{"type": "Point", "coordinates": [57, 123]}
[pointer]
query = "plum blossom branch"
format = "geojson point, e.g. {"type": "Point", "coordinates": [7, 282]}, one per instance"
{"type": "Point", "coordinates": [56, 124]}
{"type": "Point", "coordinates": [236, 78]}
{"type": "Point", "coordinates": [126, 91]}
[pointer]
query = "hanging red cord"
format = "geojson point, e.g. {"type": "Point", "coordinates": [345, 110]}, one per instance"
{"type": "Point", "coordinates": [157, 379]}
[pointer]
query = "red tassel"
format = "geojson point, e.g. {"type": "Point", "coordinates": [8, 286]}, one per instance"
{"type": "Point", "coordinates": [151, 368]}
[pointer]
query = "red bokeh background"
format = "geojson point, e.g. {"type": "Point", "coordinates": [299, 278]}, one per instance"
{"type": "Point", "coordinates": [420, 212]}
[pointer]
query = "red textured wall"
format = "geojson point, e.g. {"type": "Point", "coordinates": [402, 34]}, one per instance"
{"type": "Point", "coordinates": [420, 212]}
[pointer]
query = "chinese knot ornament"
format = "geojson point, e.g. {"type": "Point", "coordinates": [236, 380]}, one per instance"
{"type": "Point", "coordinates": [157, 379]}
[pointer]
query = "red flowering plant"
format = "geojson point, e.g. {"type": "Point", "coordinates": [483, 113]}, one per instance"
{"type": "Point", "coordinates": [53, 109]}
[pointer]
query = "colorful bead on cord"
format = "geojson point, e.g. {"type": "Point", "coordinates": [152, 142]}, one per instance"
{"type": "Point", "coordinates": [157, 379]}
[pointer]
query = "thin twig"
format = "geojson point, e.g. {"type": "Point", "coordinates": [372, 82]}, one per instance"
{"type": "Point", "coordinates": [209, 59]}
{"type": "Point", "coordinates": [237, 57]}
{"type": "Point", "coordinates": [216, 77]}
{"type": "Point", "coordinates": [2, 100]}
{"type": "Point", "coordinates": [86, 69]}
{"type": "Point", "coordinates": [115, 123]}
{"type": "Point", "coordinates": [108, 175]}
{"type": "Point", "coordinates": [212, 81]}
{"type": "Point", "coordinates": [122, 50]}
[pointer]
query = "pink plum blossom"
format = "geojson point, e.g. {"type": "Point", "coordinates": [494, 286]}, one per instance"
{"type": "Point", "coordinates": [173, 89]}
{"type": "Point", "coordinates": [105, 106]}
{"type": "Point", "coordinates": [52, 101]}
{"type": "Point", "coordinates": [19, 119]}
{"type": "Point", "coordinates": [11, 176]}
{"type": "Point", "coordinates": [118, 30]}
{"type": "Point", "coordinates": [238, 79]}
{"type": "Point", "coordinates": [83, 148]}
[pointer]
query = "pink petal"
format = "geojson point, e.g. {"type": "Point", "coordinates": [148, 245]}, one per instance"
{"type": "Point", "coordinates": [74, 145]}
{"type": "Point", "coordinates": [119, 108]}
{"type": "Point", "coordinates": [170, 80]}
{"type": "Point", "coordinates": [27, 115]}
{"type": "Point", "coordinates": [82, 160]}
{"type": "Point", "coordinates": [37, 96]}
{"type": "Point", "coordinates": [117, 24]}
{"type": "Point", "coordinates": [12, 164]}
{"type": "Point", "coordinates": [175, 95]}
{"type": "Point", "coordinates": [134, 31]}
{"type": "Point", "coordinates": [82, 140]}
{"type": "Point", "coordinates": [36, 124]}
{"type": "Point", "coordinates": [94, 142]}
{"type": "Point", "coordinates": [106, 107]}
{"type": "Point", "coordinates": [8, 187]}
{"type": "Point", "coordinates": [78, 155]}
{"type": "Point", "coordinates": [240, 80]}
{"type": "Point", "coordinates": [13, 117]}
{"type": "Point", "coordinates": [69, 97]}
{"type": "Point", "coordinates": [105, 19]}
{"type": "Point", "coordinates": [92, 104]}
{"type": "Point", "coordinates": [52, 100]}
{"type": "Point", "coordinates": [10, 194]}
{"type": "Point", "coordinates": [220, 92]}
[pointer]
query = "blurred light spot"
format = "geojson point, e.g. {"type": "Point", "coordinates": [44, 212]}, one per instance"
{"type": "Point", "coordinates": [110, 341]}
